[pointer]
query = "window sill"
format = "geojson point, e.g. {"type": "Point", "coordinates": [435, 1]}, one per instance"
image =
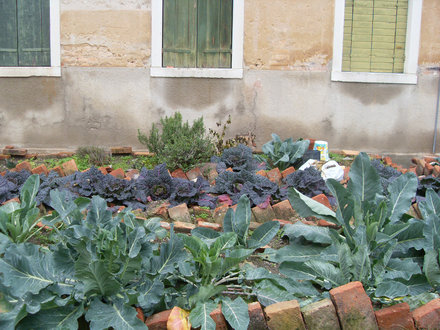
{"type": "Point", "coordinates": [375, 77]}
{"type": "Point", "coordinates": [54, 71]}
{"type": "Point", "coordinates": [196, 73]}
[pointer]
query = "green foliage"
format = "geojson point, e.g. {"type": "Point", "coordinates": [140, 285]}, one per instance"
{"type": "Point", "coordinates": [18, 220]}
{"type": "Point", "coordinates": [283, 154]}
{"type": "Point", "coordinates": [96, 156]}
{"type": "Point", "coordinates": [178, 144]}
{"type": "Point", "coordinates": [375, 235]}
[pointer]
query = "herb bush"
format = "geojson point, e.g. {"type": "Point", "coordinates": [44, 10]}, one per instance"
{"type": "Point", "coordinates": [178, 144]}
{"type": "Point", "coordinates": [96, 156]}
{"type": "Point", "coordinates": [378, 244]}
{"type": "Point", "coordinates": [283, 154]}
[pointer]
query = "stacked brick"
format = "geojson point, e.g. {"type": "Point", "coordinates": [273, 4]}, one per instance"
{"type": "Point", "coordinates": [349, 307]}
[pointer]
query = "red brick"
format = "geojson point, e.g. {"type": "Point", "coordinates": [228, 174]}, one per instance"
{"type": "Point", "coordinates": [429, 159]}
{"type": "Point", "coordinates": [309, 222]}
{"type": "Point", "coordinates": [428, 169]}
{"type": "Point", "coordinates": [9, 147]}
{"type": "Point", "coordinates": [194, 174]}
{"type": "Point", "coordinates": [283, 222]}
{"type": "Point", "coordinates": [257, 320]}
{"type": "Point", "coordinates": [428, 316]}
{"type": "Point", "coordinates": [284, 315]}
{"type": "Point", "coordinates": [287, 171]}
{"type": "Point", "coordinates": [3, 173]}
{"type": "Point", "coordinates": [103, 170]}
{"type": "Point", "coordinates": [132, 174]}
{"type": "Point", "coordinates": [263, 215]}
{"type": "Point", "coordinates": [140, 314]}
{"type": "Point", "coordinates": [65, 154]}
{"type": "Point", "coordinates": [57, 169]}
{"type": "Point", "coordinates": [262, 173]}
{"type": "Point", "coordinates": [219, 319]}
{"type": "Point", "coordinates": [183, 227]}
{"type": "Point", "coordinates": [274, 175]}
{"type": "Point", "coordinates": [121, 150]}
{"type": "Point", "coordinates": [42, 169]}
{"type": "Point", "coordinates": [24, 166]}
{"type": "Point", "coordinates": [321, 198]}
{"type": "Point", "coordinates": [283, 210]}
{"type": "Point", "coordinates": [179, 174]}
{"type": "Point", "coordinates": [209, 171]}
{"type": "Point", "coordinates": [15, 199]}
{"type": "Point", "coordinates": [325, 223]}
{"type": "Point", "coordinates": [3, 157]}
{"type": "Point", "coordinates": [118, 173]}
{"type": "Point", "coordinates": [165, 225]}
{"type": "Point", "coordinates": [143, 153]}
{"type": "Point", "coordinates": [388, 161]}
{"type": "Point", "coordinates": [198, 211]}
{"type": "Point", "coordinates": [180, 213]}
{"type": "Point", "coordinates": [210, 225]}
{"type": "Point", "coordinates": [353, 306]}
{"type": "Point", "coordinates": [413, 170]}
{"type": "Point", "coordinates": [395, 317]}
{"type": "Point", "coordinates": [158, 321]}
{"type": "Point", "coordinates": [15, 152]}
{"type": "Point", "coordinates": [69, 167]}
{"type": "Point", "coordinates": [219, 213]}
{"type": "Point", "coordinates": [311, 144]}
{"type": "Point", "coordinates": [29, 156]}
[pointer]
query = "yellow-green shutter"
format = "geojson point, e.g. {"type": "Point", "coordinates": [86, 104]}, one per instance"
{"type": "Point", "coordinates": [374, 35]}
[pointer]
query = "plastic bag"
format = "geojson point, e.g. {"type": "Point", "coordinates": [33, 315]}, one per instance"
{"type": "Point", "coordinates": [332, 170]}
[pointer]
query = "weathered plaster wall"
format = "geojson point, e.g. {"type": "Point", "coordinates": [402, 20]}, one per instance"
{"type": "Point", "coordinates": [105, 92]}
{"type": "Point", "coordinates": [288, 35]}
{"type": "Point", "coordinates": [106, 106]}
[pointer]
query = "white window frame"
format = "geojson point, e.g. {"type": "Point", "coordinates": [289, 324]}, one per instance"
{"type": "Point", "coordinates": [54, 70]}
{"type": "Point", "coordinates": [236, 70]}
{"type": "Point", "coordinates": [409, 76]}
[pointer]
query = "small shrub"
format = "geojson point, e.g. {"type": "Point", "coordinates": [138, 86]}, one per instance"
{"type": "Point", "coordinates": [178, 144]}
{"type": "Point", "coordinates": [96, 156]}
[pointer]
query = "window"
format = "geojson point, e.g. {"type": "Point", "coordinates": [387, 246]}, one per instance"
{"type": "Point", "coordinates": [197, 38]}
{"type": "Point", "coordinates": [29, 38]}
{"type": "Point", "coordinates": [376, 41]}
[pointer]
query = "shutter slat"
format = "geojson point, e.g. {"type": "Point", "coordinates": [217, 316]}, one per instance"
{"type": "Point", "coordinates": [8, 33]}
{"type": "Point", "coordinates": [33, 32]}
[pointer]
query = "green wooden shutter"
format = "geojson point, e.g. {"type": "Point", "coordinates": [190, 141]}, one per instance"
{"type": "Point", "coordinates": [179, 33]}
{"type": "Point", "coordinates": [214, 47]}
{"type": "Point", "coordinates": [33, 32]}
{"type": "Point", "coordinates": [374, 35]}
{"type": "Point", "coordinates": [8, 33]}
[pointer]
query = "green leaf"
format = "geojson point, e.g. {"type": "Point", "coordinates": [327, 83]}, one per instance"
{"type": "Point", "coordinates": [307, 207]}
{"type": "Point", "coordinates": [116, 315]}
{"type": "Point", "coordinates": [391, 289]}
{"type": "Point", "coordinates": [225, 241]}
{"type": "Point", "coordinates": [401, 193]}
{"type": "Point", "coordinates": [29, 190]}
{"type": "Point", "coordinates": [199, 316]}
{"type": "Point", "coordinates": [25, 269]}
{"type": "Point", "coordinates": [411, 237]}
{"type": "Point", "coordinates": [65, 317]}
{"type": "Point", "coordinates": [401, 268]}
{"type": "Point", "coordinates": [242, 219]}
{"type": "Point", "coordinates": [236, 313]}
{"type": "Point", "coordinates": [171, 253]}
{"type": "Point", "coordinates": [98, 213]}
{"type": "Point", "coordinates": [150, 293]}
{"type": "Point", "coordinates": [263, 234]}
{"type": "Point", "coordinates": [207, 235]}
{"type": "Point", "coordinates": [431, 231]}
{"type": "Point", "coordinates": [95, 277]}
{"type": "Point", "coordinates": [228, 220]}
{"type": "Point", "coordinates": [135, 240]}
{"type": "Point", "coordinates": [10, 317]}
{"type": "Point", "coordinates": [268, 293]}
{"type": "Point", "coordinates": [364, 181]}
{"type": "Point", "coordinates": [313, 234]}
{"type": "Point", "coordinates": [431, 268]}
{"type": "Point", "coordinates": [297, 252]}
{"type": "Point", "coordinates": [418, 284]}
{"type": "Point", "coordinates": [431, 204]}
{"type": "Point", "coordinates": [205, 293]}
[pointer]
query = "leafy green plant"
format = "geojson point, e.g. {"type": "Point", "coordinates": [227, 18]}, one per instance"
{"type": "Point", "coordinates": [18, 220]}
{"type": "Point", "coordinates": [95, 155]}
{"type": "Point", "coordinates": [178, 144]}
{"type": "Point", "coordinates": [374, 241]}
{"type": "Point", "coordinates": [283, 154]}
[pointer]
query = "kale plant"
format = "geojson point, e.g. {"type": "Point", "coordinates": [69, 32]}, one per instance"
{"type": "Point", "coordinates": [283, 154]}
{"type": "Point", "coordinates": [238, 158]}
{"type": "Point", "coordinates": [155, 184]}
{"type": "Point", "coordinates": [428, 182]}
{"type": "Point", "coordinates": [387, 173]}
{"type": "Point", "coordinates": [11, 183]}
{"type": "Point", "coordinates": [189, 192]}
{"type": "Point", "coordinates": [308, 182]}
{"type": "Point", "coordinates": [258, 188]}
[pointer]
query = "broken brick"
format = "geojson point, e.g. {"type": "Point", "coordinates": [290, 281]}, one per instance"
{"type": "Point", "coordinates": [284, 315]}
{"type": "Point", "coordinates": [42, 169]}
{"type": "Point", "coordinates": [158, 321]}
{"type": "Point", "coordinates": [263, 215]}
{"type": "Point", "coordinates": [118, 173]}
{"type": "Point", "coordinates": [179, 174]}
{"type": "Point", "coordinates": [210, 225]}
{"type": "Point", "coordinates": [283, 210]}
{"type": "Point", "coordinates": [24, 166]}
{"type": "Point", "coordinates": [15, 152]}
{"type": "Point", "coordinates": [180, 213]}
{"type": "Point", "coordinates": [321, 198]}
{"type": "Point", "coordinates": [257, 320]}
{"type": "Point", "coordinates": [274, 175]}
{"type": "Point", "coordinates": [428, 316]}
{"type": "Point", "coordinates": [183, 227]}
{"type": "Point", "coordinates": [57, 169]}
{"type": "Point", "coordinates": [193, 174]}
{"type": "Point", "coordinates": [287, 171]}
{"type": "Point", "coordinates": [121, 150]}
{"type": "Point", "coordinates": [395, 317]}
{"type": "Point", "coordinates": [69, 167]}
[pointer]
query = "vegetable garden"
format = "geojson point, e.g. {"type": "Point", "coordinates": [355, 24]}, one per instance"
{"type": "Point", "coordinates": [104, 267]}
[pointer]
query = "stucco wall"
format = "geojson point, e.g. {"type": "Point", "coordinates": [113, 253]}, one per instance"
{"type": "Point", "coordinates": [105, 92]}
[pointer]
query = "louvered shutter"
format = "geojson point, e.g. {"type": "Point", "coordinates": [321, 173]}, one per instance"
{"type": "Point", "coordinates": [33, 32]}
{"type": "Point", "coordinates": [214, 47]}
{"type": "Point", "coordinates": [374, 35]}
{"type": "Point", "coordinates": [179, 33]}
{"type": "Point", "coordinates": [8, 33]}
